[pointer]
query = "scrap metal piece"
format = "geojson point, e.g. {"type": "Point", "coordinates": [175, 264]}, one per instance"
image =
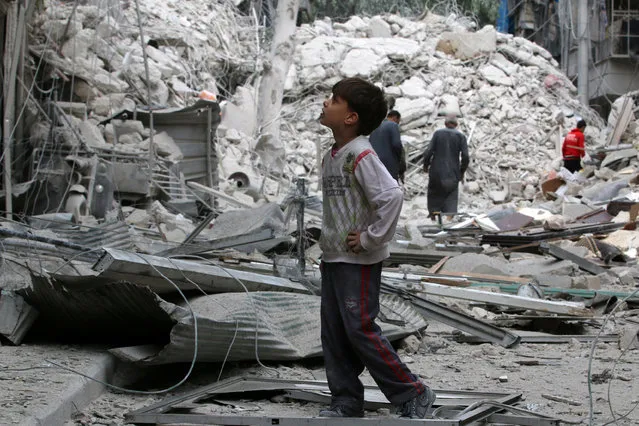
{"type": "Point", "coordinates": [564, 308]}
{"type": "Point", "coordinates": [171, 410]}
{"type": "Point", "coordinates": [16, 317]}
{"type": "Point", "coordinates": [199, 228]}
{"type": "Point", "coordinates": [547, 338]}
{"type": "Point", "coordinates": [513, 222]}
{"type": "Point", "coordinates": [460, 320]}
{"type": "Point", "coordinates": [219, 244]}
{"type": "Point", "coordinates": [5, 232]}
{"type": "Point", "coordinates": [530, 235]}
{"type": "Point", "coordinates": [207, 419]}
{"type": "Point", "coordinates": [150, 270]}
{"type": "Point", "coordinates": [512, 419]}
{"type": "Point", "coordinates": [275, 326]}
{"type": "Point", "coordinates": [562, 254]}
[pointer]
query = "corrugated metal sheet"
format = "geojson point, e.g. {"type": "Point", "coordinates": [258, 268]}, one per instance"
{"type": "Point", "coordinates": [113, 235]}
{"type": "Point", "coordinates": [118, 312]}
{"type": "Point", "coordinates": [287, 328]}
{"type": "Point", "coordinates": [148, 270]}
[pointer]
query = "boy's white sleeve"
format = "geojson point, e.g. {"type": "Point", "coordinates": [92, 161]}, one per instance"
{"type": "Point", "coordinates": [385, 197]}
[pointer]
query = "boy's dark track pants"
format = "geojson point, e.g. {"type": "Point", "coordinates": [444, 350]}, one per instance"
{"type": "Point", "coordinates": [351, 340]}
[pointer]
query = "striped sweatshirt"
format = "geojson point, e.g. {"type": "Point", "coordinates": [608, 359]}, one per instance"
{"type": "Point", "coordinates": [358, 195]}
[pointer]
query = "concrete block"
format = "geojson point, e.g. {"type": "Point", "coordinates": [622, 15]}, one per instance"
{"type": "Point", "coordinates": [588, 282]}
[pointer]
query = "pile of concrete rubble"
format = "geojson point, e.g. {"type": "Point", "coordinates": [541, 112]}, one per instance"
{"type": "Point", "coordinates": [238, 279]}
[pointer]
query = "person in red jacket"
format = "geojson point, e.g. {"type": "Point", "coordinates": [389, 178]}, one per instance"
{"type": "Point", "coordinates": [574, 147]}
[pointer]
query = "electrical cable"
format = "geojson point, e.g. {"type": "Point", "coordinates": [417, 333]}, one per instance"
{"type": "Point", "coordinates": [248, 293]}
{"type": "Point", "coordinates": [592, 351]}
{"type": "Point", "coordinates": [139, 392]}
{"type": "Point", "coordinates": [237, 323]}
{"type": "Point", "coordinates": [614, 366]}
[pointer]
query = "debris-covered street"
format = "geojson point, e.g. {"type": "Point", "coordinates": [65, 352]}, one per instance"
{"type": "Point", "coordinates": [164, 199]}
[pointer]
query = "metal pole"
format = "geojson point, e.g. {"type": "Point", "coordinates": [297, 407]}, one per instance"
{"type": "Point", "coordinates": [301, 200]}
{"type": "Point", "coordinates": [148, 91]}
{"type": "Point", "coordinates": [583, 52]}
{"type": "Point", "coordinates": [14, 30]}
{"type": "Point", "coordinates": [209, 152]}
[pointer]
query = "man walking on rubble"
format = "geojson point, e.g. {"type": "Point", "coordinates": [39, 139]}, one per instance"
{"type": "Point", "coordinates": [574, 147]}
{"type": "Point", "coordinates": [445, 171]}
{"type": "Point", "coordinates": [387, 144]}
{"type": "Point", "coordinates": [362, 203]}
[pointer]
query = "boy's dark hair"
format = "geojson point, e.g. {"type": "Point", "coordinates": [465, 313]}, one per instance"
{"type": "Point", "coordinates": [581, 124]}
{"type": "Point", "coordinates": [394, 113]}
{"type": "Point", "coordinates": [364, 98]}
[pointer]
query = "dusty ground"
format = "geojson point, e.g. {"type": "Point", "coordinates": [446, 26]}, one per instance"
{"type": "Point", "coordinates": [29, 385]}
{"type": "Point", "coordinates": [452, 366]}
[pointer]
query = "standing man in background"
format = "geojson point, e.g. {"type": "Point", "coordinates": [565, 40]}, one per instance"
{"type": "Point", "coordinates": [574, 147]}
{"type": "Point", "coordinates": [388, 146]}
{"type": "Point", "coordinates": [445, 170]}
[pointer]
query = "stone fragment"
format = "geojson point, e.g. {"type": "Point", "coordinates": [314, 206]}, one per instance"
{"type": "Point", "coordinates": [165, 146]}
{"type": "Point", "coordinates": [78, 45]}
{"type": "Point", "coordinates": [410, 345]}
{"type": "Point", "coordinates": [414, 87]}
{"type": "Point", "coordinates": [472, 187]}
{"type": "Point", "coordinates": [494, 75]}
{"type": "Point", "coordinates": [91, 134]}
{"type": "Point", "coordinates": [377, 27]}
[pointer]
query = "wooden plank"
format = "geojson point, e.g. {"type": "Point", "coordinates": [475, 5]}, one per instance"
{"type": "Point", "coordinates": [564, 308]}
{"type": "Point", "coordinates": [436, 267]}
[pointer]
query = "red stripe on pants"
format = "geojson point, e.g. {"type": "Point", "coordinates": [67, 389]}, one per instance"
{"type": "Point", "coordinates": [383, 351]}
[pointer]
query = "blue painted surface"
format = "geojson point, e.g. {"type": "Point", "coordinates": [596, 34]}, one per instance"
{"type": "Point", "coordinates": [502, 19]}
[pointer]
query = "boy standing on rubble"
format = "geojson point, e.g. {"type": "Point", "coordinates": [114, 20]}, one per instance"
{"type": "Point", "coordinates": [362, 203]}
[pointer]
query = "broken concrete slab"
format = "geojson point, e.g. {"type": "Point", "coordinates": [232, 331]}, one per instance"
{"type": "Point", "coordinates": [477, 263]}
{"type": "Point", "coordinates": [468, 45]}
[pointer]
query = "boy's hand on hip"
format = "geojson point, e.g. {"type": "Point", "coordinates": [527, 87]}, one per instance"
{"type": "Point", "coordinates": [353, 242]}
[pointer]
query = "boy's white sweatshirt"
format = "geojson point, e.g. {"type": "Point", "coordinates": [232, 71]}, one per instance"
{"type": "Point", "coordinates": [359, 195]}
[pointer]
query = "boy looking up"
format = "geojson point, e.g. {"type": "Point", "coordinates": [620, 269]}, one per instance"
{"type": "Point", "coordinates": [362, 203]}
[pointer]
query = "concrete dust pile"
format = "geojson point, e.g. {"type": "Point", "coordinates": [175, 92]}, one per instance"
{"type": "Point", "coordinates": [508, 91]}
{"type": "Point", "coordinates": [514, 102]}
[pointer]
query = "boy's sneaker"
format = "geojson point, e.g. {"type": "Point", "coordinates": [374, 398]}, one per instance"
{"type": "Point", "coordinates": [417, 408]}
{"type": "Point", "coordinates": [341, 411]}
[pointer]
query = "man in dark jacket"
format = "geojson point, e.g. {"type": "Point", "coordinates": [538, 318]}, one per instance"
{"type": "Point", "coordinates": [442, 162]}
{"type": "Point", "coordinates": [574, 147]}
{"type": "Point", "coordinates": [388, 146]}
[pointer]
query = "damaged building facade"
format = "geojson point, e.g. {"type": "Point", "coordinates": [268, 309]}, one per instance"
{"type": "Point", "coordinates": [611, 28]}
